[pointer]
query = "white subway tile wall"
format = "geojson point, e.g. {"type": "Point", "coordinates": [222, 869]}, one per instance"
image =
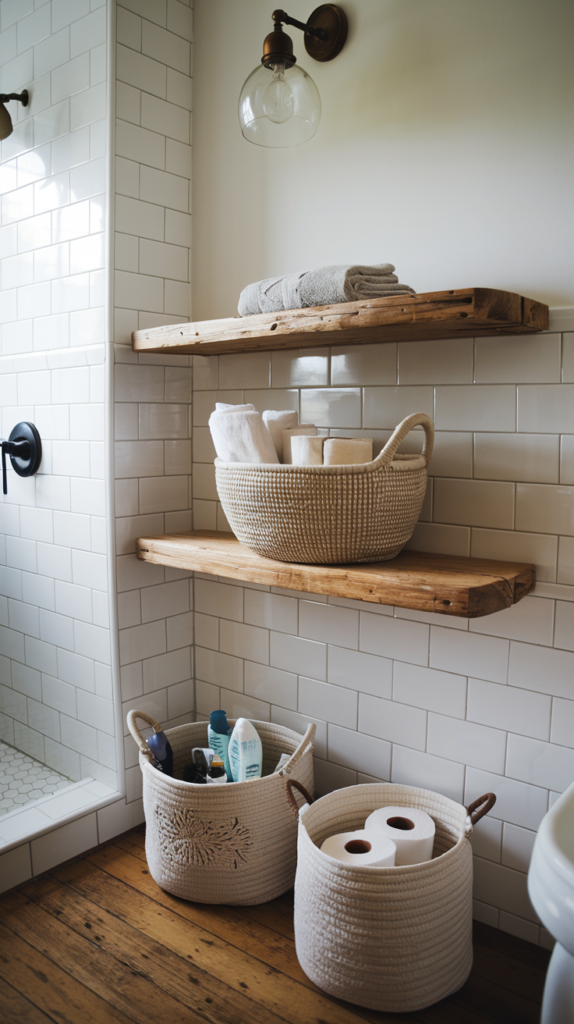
{"type": "Point", "coordinates": [56, 693]}
{"type": "Point", "coordinates": [462, 707]}
{"type": "Point", "coordinates": [152, 393]}
{"type": "Point", "coordinates": [56, 698]}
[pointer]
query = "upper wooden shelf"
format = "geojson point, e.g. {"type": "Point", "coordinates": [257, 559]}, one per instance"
{"type": "Point", "coordinates": [468, 587]}
{"type": "Point", "coordinates": [452, 314]}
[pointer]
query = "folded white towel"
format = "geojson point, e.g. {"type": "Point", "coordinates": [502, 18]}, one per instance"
{"type": "Point", "coordinates": [241, 436]}
{"type": "Point", "coordinates": [303, 428]}
{"type": "Point", "coordinates": [307, 450]}
{"type": "Point", "coordinates": [277, 422]}
{"type": "Point", "coordinates": [225, 407]}
{"type": "Point", "coordinates": [321, 287]}
{"type": "Point", "coordinates": [347, 451]}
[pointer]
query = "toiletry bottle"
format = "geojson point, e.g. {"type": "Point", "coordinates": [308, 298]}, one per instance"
{"type": "Point", "coordinates": [202, 758]}
{"type": "Point", "coordinates": [160, 747]}
{"type": "Point", "coordinates": [216, 774]}
{"type": "Point", "coordinates": [245, 751]}
{"type": "Point", "coordinates": [218, 736]}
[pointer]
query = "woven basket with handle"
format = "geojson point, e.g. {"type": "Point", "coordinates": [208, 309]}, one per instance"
{"type": "Point", "coordinates": [394, 939]}
{"type": "Point", "coordinates": [329, 514]}
{"type": "Point", "coordinates": [232, 843]}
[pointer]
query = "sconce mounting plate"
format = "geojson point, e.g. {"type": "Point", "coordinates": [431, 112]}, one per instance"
{"type": "Point", "coordinates": [333, 21]}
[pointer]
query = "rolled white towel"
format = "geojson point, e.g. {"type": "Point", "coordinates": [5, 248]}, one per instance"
{"type": "Point", "coordinates": [347, 451]}
{"type": "Point", "coordinates": [321, 287]}
{"type": "Point", "coordinates": [225, 407]}
{"type": "Point", "coordinates": [277, 422]}
{"type": "Point", "coordinates": [241, 436]}
{"type": "Point", "coordinates": [307, 450]}
{"type": "Point", "coordinates": [303, 428]}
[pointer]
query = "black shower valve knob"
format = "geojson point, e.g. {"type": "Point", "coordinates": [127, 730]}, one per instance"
{"type": "Point", "coordinates": [24, 447]}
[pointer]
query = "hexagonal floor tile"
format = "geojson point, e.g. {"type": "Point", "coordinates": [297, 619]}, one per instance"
{"type": "Point", "coordinates": [24, 780]}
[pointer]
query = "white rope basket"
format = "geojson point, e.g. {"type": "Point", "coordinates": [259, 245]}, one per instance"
{"type": "Point", "coordinates": [329, 515]}
{"type": "Point", "coordinates": [234, 843]}
{"type": "Point", "coordinates": [394, 939]}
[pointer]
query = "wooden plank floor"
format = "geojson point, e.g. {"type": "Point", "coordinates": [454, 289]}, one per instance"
{"type": "Point", "coordinates": [98, 942]}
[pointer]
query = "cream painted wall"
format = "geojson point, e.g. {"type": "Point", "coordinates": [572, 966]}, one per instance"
{"type": "Point", "coordinates": [445, 146]}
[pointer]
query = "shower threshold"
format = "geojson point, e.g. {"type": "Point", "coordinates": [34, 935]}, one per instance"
{"type": "Point", "coordinates": [34, 798]}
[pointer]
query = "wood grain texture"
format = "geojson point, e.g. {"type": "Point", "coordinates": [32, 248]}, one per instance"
{"type": "Point", "coordinates": [98, 942]}
{"type": "Point", "coordinates": [450, 314]}
{"type": "Point", "coordinates": [448, 584]}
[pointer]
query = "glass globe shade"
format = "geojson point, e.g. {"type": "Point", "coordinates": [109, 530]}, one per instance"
{"type": "Point", "coordinates": [279, 106]}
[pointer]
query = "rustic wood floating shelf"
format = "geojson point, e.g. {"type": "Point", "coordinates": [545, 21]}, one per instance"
{"type": "Point", "coordinates": [453, 314]}
{"type": "Point", "coordinates": [468, 587]}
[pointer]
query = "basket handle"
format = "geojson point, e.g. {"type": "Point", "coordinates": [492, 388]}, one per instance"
{"type": "Point", "coordinates": [305, 744]}
{"type": "Point", "coordinates": [400, 432]}
{"type": "Point", "coordinates": [478, 808]}
{"type": "Point", "coordinates": [131, 720]}
{"type": "Point", "coordinates": [290, 786]}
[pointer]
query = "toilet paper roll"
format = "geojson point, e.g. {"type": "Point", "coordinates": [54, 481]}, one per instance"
{"type": "Point", "coordinates": [303, 428]}
{"type": "Point", "coordinates": [348, 451]}
{"type": "Point", "coordinates": [412, 831]}
{"type": "Point", "coordinates": [307, 450]}
{"type": "Point", "coordinates": [363, 848]}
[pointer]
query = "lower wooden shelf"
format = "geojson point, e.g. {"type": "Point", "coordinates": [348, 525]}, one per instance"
{"type": "Point", "coordinates": [468, 587]}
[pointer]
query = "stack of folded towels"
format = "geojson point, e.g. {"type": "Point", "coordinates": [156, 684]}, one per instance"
{"type": "Point", "coordinates": [241, 434]}
{"type": "Point", "coordinates": [321, 287]}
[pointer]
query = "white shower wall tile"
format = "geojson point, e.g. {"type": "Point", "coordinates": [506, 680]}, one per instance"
{"type": "Point", "coordinates": [65, 230]}
{"type": "Point", "coordinates": [152, 410]}
{"type": "Point", "coordinates": [49, 637]}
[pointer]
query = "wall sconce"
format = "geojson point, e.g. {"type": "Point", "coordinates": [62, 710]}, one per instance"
{"type": "Point", "coordinates": [6, 128]}
{"type": "Point", "coordinates": [279, 103]}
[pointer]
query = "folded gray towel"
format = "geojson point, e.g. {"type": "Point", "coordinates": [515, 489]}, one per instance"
{"type": "Point", "coordinates": [321, 287]}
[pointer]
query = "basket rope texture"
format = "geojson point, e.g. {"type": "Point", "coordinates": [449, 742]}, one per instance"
{"type": "Point", "coordinates": [234, 843]}
{"type": "Point", "coordinates": [394, 939]}
{"type": "Point", "coordinates": [329, 515]}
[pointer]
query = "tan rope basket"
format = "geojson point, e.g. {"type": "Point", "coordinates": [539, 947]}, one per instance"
{"type": "Point", "coordinates": [232, 843]}
{"type": "Point", "coordinates": [394, 939]}
{"type": "Point", "coordinates": [329, 514]}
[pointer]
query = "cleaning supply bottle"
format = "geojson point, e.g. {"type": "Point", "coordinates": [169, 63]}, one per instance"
{"type": "Point", "coordinates": [218, 735]}
{"type": "Point", "coordinates": [245, 751]}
